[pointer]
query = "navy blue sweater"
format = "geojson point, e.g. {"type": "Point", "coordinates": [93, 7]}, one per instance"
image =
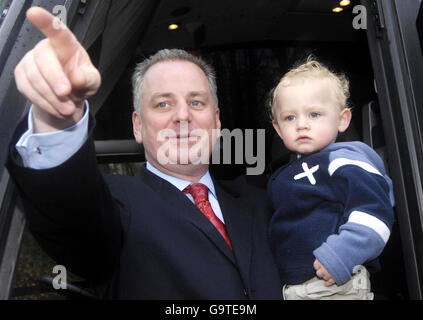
{"type": "Point", "coordinates": [335, 205]}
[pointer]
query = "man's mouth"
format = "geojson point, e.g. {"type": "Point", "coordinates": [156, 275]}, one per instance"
{"type": "Point", "coordinates": [182, 136]}
{"type": "Point", "coordinates": [185, 137]}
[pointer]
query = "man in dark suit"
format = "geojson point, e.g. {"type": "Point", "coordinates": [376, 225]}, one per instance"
{"type": "Point", "coordinates": [173, 232]}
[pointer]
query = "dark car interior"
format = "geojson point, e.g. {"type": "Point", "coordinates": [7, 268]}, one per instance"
{"type": "Point", "coordinates": [251, 44]}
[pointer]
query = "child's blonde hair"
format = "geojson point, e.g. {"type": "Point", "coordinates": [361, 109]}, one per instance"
{"type": "Point", "coordinates": [312, 69]}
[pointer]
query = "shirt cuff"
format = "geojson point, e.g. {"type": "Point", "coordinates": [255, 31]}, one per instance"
{"type": "Point", "coordinates": [51, 149]}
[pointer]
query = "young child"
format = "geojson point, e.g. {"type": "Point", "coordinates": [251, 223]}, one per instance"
{"type": "Point", "coordinates": [334, 203]}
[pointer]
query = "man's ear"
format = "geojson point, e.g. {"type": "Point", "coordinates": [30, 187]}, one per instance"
{"type": "Point", "coordinates": [344, 119]}
{"type": "Point", "coordinates": [217, 115]}
{"type": "Point", "coordinates": [136, 125]}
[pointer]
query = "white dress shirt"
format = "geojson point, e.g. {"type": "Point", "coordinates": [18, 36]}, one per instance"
{"type": "Point", "coordinates": [182, 184]}
{"type": "Point", "coordinates": [48, 150]}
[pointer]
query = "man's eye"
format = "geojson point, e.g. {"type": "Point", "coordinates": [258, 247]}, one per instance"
{"type": "Point", "coordinates": [290, 118]}
{"type": "Point", "coordinates": [196, 103]}
{"type": "Point", "coordinates": [162, 104]}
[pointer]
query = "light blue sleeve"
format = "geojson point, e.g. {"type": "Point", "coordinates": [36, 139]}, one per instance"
{"type": "Point", "coordinates": [368, 216]}
{"type": "Point", "coordinates": [354, 245]}
{"type": "Point", "coordinates": [48, 150]}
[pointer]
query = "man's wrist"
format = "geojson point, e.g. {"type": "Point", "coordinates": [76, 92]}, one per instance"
{"type": "Point", "coordinates": [50, 149]}
{"type": "Point", "coordinates": [44, 122]}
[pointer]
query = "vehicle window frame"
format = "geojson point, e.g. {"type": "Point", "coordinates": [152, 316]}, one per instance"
{"type": "Point", "coordinates": [393, 62]}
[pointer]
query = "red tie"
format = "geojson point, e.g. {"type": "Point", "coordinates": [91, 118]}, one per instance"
{"type": "Point", "coordinates": [200, 193]}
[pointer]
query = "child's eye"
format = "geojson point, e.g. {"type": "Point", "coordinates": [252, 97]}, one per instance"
{"type": "Point", "coordinates": [314, 115]}
{"type": "Point", "coordinates": [290, 118]}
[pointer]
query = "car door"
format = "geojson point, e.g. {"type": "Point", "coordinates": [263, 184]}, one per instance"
{"type": "Point", "coordinates": [396, 59]}
{"type": "Point", "coordinates": [97, 30]}
{"type": "Point", "coordinates": [396, 54]}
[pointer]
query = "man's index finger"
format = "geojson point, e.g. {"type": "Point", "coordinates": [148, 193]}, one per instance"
{"type": "Point", "coordinates": [57, 32]}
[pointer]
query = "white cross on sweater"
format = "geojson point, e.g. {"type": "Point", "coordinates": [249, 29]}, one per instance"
{"type": "Point", "coordinates": [307, 173]}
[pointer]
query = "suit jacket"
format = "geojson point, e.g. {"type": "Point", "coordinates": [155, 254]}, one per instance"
{"type": "Point", "coordinates": [142, 238]}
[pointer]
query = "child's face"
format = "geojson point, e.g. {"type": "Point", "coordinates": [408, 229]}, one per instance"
{"type": "Point", "coordinates": [308, 116]}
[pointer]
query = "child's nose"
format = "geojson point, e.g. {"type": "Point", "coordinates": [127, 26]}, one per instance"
{"type": "Point", "coordinates": [302, 123]}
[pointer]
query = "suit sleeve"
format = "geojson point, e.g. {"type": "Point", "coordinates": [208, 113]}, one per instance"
{"type": "Point", "coordinates": [70, 211]}
{"type": "Point", "coordinates": [368, 218]}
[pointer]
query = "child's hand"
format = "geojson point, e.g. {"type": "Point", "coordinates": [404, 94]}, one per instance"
{"type": "Point", "coordinates": [321, 272]}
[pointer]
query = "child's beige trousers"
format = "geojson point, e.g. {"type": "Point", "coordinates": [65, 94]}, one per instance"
{"type": "Point", "coordinates": [357, 288]}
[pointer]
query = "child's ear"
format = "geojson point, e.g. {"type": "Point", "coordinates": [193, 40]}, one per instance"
{"type": "Point", "coordinates": [344, 119]}
{"type": "Point", "coordinates": [276, 126]}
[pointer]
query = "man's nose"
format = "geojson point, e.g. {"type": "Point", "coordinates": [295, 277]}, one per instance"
{"type": "Point", "coordinates": [182, 112]}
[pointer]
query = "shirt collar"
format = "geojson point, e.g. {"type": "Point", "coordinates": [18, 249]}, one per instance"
{"type": "Point", "coordinates": [181, 184]}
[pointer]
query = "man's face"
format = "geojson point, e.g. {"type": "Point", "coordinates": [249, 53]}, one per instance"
{"type": "Point", "coordinates": [308, 116]}
{"type": "Point", "coordinates": [177, 115]}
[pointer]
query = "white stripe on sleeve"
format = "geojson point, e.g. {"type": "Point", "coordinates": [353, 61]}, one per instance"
{"type": "Point", "coordinates": [339, 162]}
{"type": "Point", "coordinates": [372, 222]}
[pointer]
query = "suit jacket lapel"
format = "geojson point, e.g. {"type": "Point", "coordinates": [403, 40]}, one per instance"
{"type": "Point", "coordinates": [238, 222]}
{"type": "Point", "coordinates": [188, 210]}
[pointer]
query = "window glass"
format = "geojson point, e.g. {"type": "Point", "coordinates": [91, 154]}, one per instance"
{"type": "Point", "coordinates": [128, 168]}
{"type": "Point", "coordinates": [4, 7]}
{"type": "Point", "coordinates": [32, 264]}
